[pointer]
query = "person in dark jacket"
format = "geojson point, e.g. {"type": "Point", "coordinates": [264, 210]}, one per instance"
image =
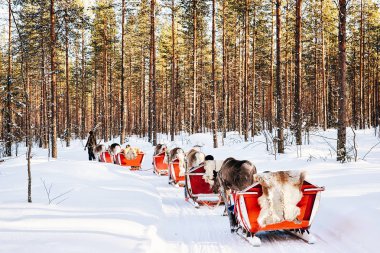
{"type": "Point", "coordinates": [91, 144]}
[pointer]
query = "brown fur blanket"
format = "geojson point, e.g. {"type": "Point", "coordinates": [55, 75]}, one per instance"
{"type": "Point", "coordinates": [281, 194]}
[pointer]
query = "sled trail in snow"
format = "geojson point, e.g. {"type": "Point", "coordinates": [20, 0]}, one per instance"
{"type": "Point", "coordinates": [184, 228]}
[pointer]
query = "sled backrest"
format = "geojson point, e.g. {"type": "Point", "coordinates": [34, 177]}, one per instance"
{"type": "Point", "coordinates": [175, 171]}
{"type": "Point", "coordinates": [159, 163]}
{"type": "Point", "coordinates": [121, 160]}
{"type": "Point", "coordinates": [196, 182]}
{"type": "Point", "coordinates": [248, 208]}
{"type": "Point", "coordinates": [106, 157]}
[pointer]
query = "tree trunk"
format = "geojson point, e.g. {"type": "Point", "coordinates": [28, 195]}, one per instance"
{"type": "Point", "coordinates": [286, 77]}
{"type": "Point", "coordinates": [44, 128]}
{"type": "Point", "coordinates": [122, 90]}
{"type": "Point", "coordinates": [323, 67]}
{"type": "Point", "coordinates": [297, 86]}
{"type": "Point", "coordinates": [173, 79]}
{"type": "Point", "coordinates": [84, 88]}
{"type": "Point", "coordinates": [280, 112]}
{"type": "Point", "coordinates": [253, 73]}
{"type": "Point", "coordinates": [214, 85]}
{"type": "Point", "coordinates": [246, 57]}
{"type": "Point", "coordinates": [68, 116]}
{"type": "Point", "coordinates": [361, 68]}
{"type": "Point", "coordinates": [53, 99]}
{"type": "Point", "coordinates": [105, 83]}
{"type": "Point", "coordinates": [193, 112]}
{"type": "Point", "coordinates": [316, 109]}
{"type": "Point", "coordinates": [341, 142]}
{"type": "Point", "coordinates": [152, 72]}
{"type": "Point", "coordinates": [270, 106]}
{"type": "Point", "coordinates": [28, 134]}
{"type": "Point", "coordinates": [224, 71]}
{"type": "Point", "coordinates": [8, 111]}
{"type": "Point", "coordinates": [143, 91]}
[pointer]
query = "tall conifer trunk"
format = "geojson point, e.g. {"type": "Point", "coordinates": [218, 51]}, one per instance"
{"type": "Point", "coordinates": [280, 112]}
{"type": "Point", "coordinates": [297, 86]}
{"type": "Point", "coordinates": [214, 85]}
{"type": "Point", "coordinates": [8, 111]}
{"type": "Point", "coordinates": [53, 99]}
{"type": "Point", "coordinates": [173, 79]}
{"type": "Point", "coordinates": [122, 90]}
{"type": "Point", "coordinates": [68, 115]}
{"type": "Point", "coordinates": [152, 73]}
{"type": "Point", "coordinates": [341, 142]}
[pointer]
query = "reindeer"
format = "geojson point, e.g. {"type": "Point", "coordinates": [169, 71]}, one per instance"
{"type": "Point", "coordinates": [212, 167]}
{"type": "Point", "coordinates": [194, 157]}
{"type": "Point", "coordinates": [176, 153]}
{"type": "Point", "coordinates": [99, 149]}
{"type": "Point", "coordinates": [234, 175]}
{"type": "Point", "coordinates": [115, 149]}
{"type": "Point", "coordinates": [160, 148]}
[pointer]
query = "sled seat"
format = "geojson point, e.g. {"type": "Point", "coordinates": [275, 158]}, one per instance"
{"type": "Point", "coordinates": [135, 164]}
{"type": "Point", "coordinates": [106, 157]}
{"type": "Point", "coordinates": [197, 188]}
{"type": "Point", "coordinates": [196, 184]}
{"type": "Point", "coordinates": [159, 166]}
{"type": "Point", "coordinates": [247, 208]}
{"type": "Point", "coordinates": [174, 171]}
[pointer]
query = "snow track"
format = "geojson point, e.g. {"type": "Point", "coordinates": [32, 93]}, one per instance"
{"type": "Point", "coordinates": [183, 228]}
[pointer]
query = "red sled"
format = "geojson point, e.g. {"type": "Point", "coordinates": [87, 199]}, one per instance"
{"type": "Point", "coordinates": [159, 166]}
{"type": "Point", "coordinates": [197, 190]}
{"type": "Point", "coordinates": [174, 177]}
{"type": "Point", "coordinates": [105, 157]}
{"type": "Point", "coordinates": [135, 164]}
{"type": "Point", "coordinates": [247, 210]}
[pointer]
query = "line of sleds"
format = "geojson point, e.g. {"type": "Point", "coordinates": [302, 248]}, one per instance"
{"type": "Point", "coordinates": [245, 207]}
{"type": "Point", "coordinates": [129, 156]}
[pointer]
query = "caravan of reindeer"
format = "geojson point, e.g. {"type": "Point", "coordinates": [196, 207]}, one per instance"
{"type": "Point", "coordinates": [253, 202]}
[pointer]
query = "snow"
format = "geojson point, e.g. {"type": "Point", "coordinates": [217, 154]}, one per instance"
{"type": "Point", "coordinates": [107, 208]}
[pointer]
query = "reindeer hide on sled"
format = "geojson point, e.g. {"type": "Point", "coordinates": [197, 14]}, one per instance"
{"type": "Point", "coordinates": [281, 194]}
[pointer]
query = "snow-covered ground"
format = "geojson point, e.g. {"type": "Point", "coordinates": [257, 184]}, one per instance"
{"type": "Point", "coordinates": [98, 207]}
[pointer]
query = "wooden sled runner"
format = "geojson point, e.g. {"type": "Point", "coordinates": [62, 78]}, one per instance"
{"type": "Point", "coordinates": [174, 177]}
{"type": "Point", "coordinates": [197, 190]}
{"type": "Point", "coordinates": [247, 210]}
{"type": "Point", "coordinates": [105, 157]}
{"type": "Point", "coordinates": [135, 164]}
{"type": "Point", "coordinates": [159, 166]}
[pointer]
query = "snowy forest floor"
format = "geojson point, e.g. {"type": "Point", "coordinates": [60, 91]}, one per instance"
{"type": "Point", "coordinates": [98, 207]}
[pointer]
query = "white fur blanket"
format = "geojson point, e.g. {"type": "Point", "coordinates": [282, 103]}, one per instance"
{"type": "Point", "coordinates": [178, 154]}
{"type": "Point", "coordinates": [281, 194]}
{"type": "Point", "coordinates": [130, 153]}
{"type": "Point", "coordinates": [210, 167]}
{"type": "Point", "coordinates": [182, 165]}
